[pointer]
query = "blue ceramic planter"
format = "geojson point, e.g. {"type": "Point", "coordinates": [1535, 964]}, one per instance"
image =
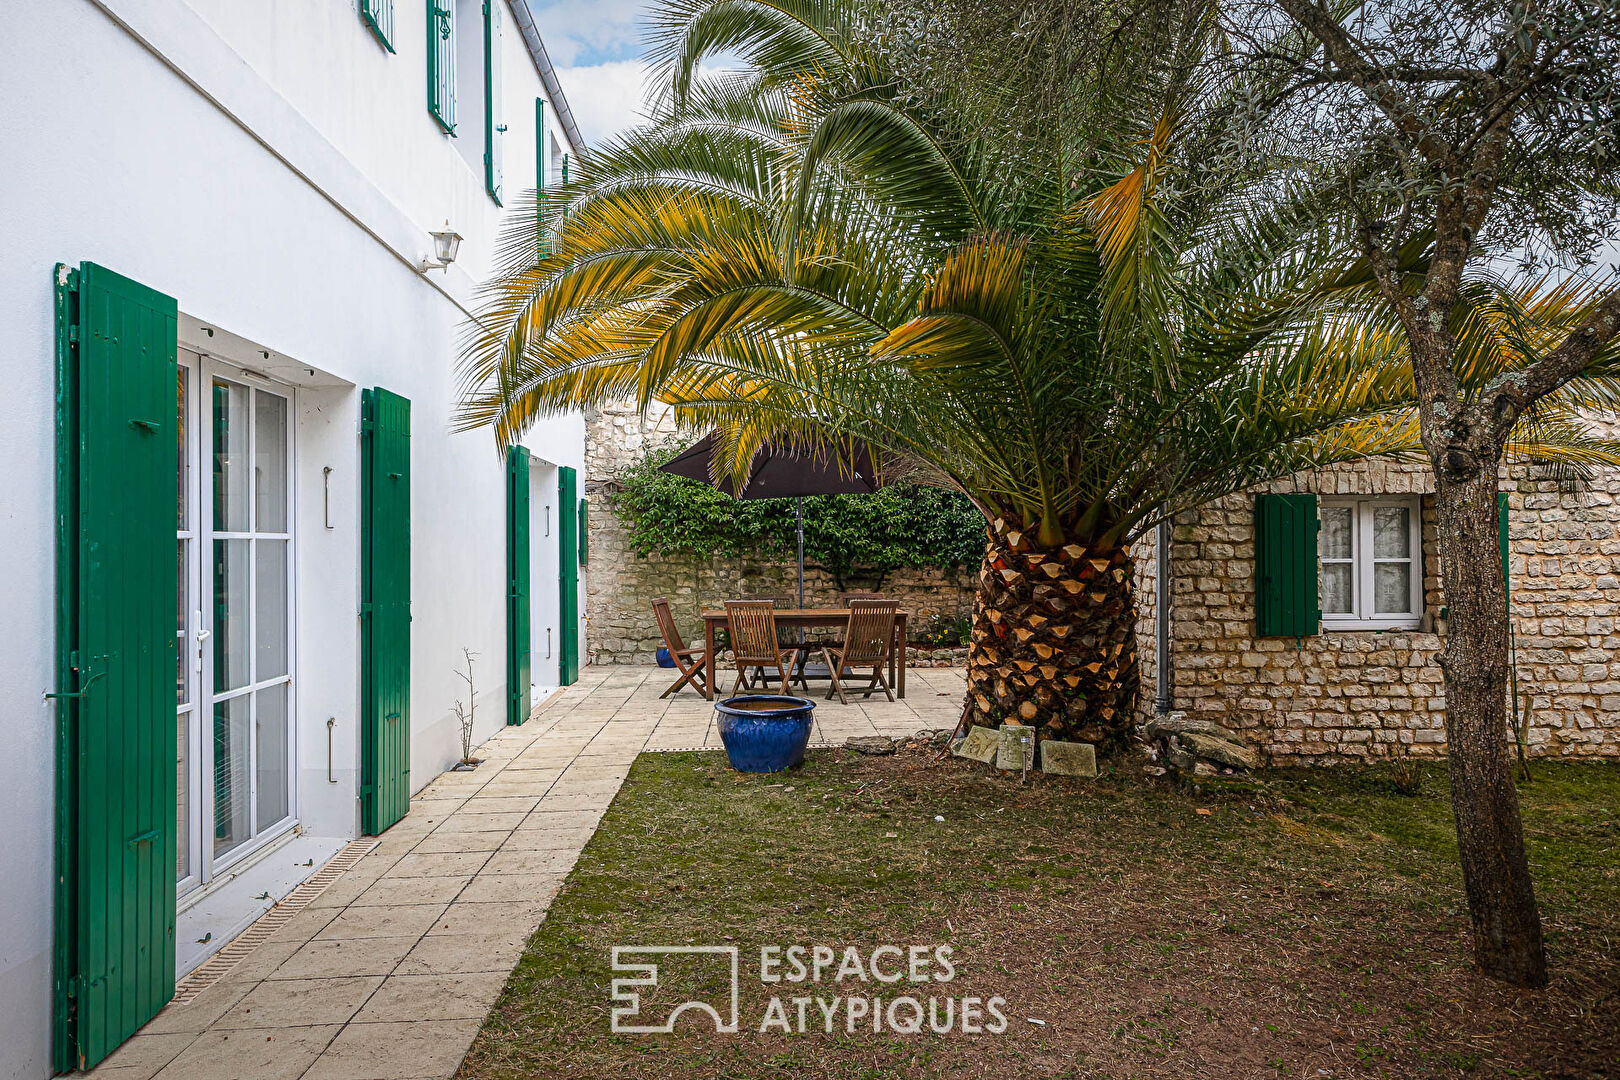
{"type": "Point", "coordinates": [664, 659]}
{"type": "Point", "coordinates": [764, 732]}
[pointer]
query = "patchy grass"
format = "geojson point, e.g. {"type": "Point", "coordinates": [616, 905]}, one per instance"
{"type": "Point", "coordinates": [1311, 927]}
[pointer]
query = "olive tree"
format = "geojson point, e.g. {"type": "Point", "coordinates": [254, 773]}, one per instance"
{"type": "Point", "coordinates": [1482, 135]}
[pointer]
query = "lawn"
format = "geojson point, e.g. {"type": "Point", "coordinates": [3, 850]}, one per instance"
{"type": "Point", "coordinates": [1309, 927]}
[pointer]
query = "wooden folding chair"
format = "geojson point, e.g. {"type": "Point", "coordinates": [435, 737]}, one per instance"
{"type": "Point", "coordinates": [828, 641]}
{"type": "Point", "coordinates": [867, 642]}
{"type": "Point", "coordinates": [752, 629]}
{"type": "Point", "coordinates": [688, 661]}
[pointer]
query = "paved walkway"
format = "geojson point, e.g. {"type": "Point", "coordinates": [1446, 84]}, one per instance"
{"type": "Point", "coordinates": [389, 972]}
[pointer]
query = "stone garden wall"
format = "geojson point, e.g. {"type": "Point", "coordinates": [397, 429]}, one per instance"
{"type": "Point", "coordinates": [1365, 694]}
{"type": "Point", "coordinates": [621, 585]}
{"type": "Point", "coordinates": [1337, 695]}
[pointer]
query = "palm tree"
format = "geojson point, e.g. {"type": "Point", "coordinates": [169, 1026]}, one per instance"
{"type": "Point", "coordinates": [810, 245]}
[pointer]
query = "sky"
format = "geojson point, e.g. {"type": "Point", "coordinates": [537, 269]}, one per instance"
{"type": "Point", "coordinates": [596, 47]}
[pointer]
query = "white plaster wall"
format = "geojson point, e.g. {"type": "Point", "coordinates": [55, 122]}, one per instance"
{"type": "Point", "coordinates": [327, 568]}
{"type": "Point", "coordinates": [544, 570]}
{"type": "Point", "coordinates": [372, 105]}
{"type": "Point", "coordinates": [215, 188]}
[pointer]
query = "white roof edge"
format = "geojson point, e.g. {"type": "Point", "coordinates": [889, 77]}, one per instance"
{"type": "Point", "coordinates": [548, 74]}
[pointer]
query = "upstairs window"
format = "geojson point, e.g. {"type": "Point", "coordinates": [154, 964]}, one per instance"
{"type": "Point", "coordinates": [378, 15]}
{"type": "Point", "coordinates": [441, 63]}
{"type": "Point", "coordinates": [494, 126]}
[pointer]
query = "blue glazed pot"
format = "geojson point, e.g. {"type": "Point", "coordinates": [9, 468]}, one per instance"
{"type": "Point", "coordinates": [664, 659]}
{"type": "Point", "coordinates": [764, 732]}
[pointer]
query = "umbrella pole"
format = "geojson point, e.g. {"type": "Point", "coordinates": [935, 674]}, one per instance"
{"type": "Point", "coordinates": [800, 510]}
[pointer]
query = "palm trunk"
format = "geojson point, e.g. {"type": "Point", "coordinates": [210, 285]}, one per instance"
{"type": "Point", "coordinates": [1490, 837]}
{"type": "Point", "coordinates": [1054, 639]}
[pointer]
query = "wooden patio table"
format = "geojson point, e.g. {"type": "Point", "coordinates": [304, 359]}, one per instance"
{"type": "Point", "coordinates": [714, 621]}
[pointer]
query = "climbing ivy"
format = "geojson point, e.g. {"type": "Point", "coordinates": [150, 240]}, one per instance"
{"type": "Point", "coordinates": [903, 525]}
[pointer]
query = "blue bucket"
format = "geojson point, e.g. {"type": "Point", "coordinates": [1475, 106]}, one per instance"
{"type": "Point", "coordinates": [764, 732]}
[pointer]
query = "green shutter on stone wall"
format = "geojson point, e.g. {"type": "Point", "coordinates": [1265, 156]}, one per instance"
{"type": "Point", "coordinates": [494, 127]}
{"type": "Point", "coordinates": [584, 532]}
{"type": "Point", "coordinates": [1286, 601]}
{"type": "Point", "coordinates": [441, 62]}
{"type": "Point", "coordinates": [518, 630]}
{"type": "Point", "coordinates": [1502, 542]}
{"type": "Point", "coordinates": [379, 16]}
{"type": "Point", "coordinates": [385, 609]}
{"type": "Point", "coordinates": [117, 610]}
{"type": "Point", "coordinates": [568, 557]}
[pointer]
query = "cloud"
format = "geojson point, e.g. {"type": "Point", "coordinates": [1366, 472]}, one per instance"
{"type": "Point", "coordinates": [606, 98]}
{"type": "Point", "coordinates": [590, 32]}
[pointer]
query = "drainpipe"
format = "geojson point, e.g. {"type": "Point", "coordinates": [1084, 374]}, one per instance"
{"type": "Point", "coordinates": [1163, 700]}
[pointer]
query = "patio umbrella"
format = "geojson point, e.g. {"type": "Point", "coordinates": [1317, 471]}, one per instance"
{"type": "Point", "coordinates": [787, 471]}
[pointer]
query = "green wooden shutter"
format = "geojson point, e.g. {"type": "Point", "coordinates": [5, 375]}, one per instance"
{"type": "Point", "coordinates": [385, 609]}
{"type": "Point", "coordinates": [584, 532]}
{"type": "Point", "coordinates": [494, 128]}
{"type": "Point", "coordinates": [518, 631]}
{"type": "Point", "coordinates": [568, 552]}
{"type": "Point", "coordinates": [1286, 601]}
{"type": "Point", "coordinates": [1502, 542]}
{"type": "Point", "coordinates": [542, 247]}
{"type": "Point", "coordinates": [441, 62]}
{"type": "Point", "coordinates": [116, 486]}
{"type": "Point", "coordinates": [379, 16]}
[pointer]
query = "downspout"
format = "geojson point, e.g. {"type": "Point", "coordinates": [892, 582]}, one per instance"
{"type": "Point", "coordinates": [1163, 700]}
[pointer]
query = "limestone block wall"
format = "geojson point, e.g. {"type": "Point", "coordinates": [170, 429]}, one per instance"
{"type": "Point", "coordinates": [622, 585]}
{"type": "Point", "coordinates": [1146, 584]}
{"type": "Point", "coordinates": [1364, 694]}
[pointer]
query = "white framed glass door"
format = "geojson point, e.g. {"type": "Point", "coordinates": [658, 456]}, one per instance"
{"type": "Point", "coordinates": [236, 712]}
{"type": "Point", "coordinates": [188, 845]}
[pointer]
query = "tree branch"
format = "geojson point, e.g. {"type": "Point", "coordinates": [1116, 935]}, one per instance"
{"type": "Point", "coordinates": [1349, 58]}
{"type": "Point", "coordinates": [1517, 391]}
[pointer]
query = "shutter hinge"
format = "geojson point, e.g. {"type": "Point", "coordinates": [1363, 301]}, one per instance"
{"type": "Point", "coordinates": [365, 609]}
{"type": "Point", "coordinates": [73, 334]}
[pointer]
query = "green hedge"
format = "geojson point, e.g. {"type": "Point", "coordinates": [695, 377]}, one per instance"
{"type": "Point", "coordinates": [904, 525]}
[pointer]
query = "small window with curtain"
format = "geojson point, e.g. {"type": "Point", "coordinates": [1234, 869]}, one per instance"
{"type": "Point", "coordinates": [1371, 575]}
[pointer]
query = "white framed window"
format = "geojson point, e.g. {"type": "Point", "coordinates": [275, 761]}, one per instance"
{"type": "Point", "coordinates": [1371, 551]}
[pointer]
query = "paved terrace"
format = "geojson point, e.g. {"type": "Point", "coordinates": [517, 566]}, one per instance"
{"type": "Point", "coordinates": [388, 973]}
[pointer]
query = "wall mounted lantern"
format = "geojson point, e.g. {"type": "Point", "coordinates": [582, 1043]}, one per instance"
{"type": "Point", "coordinates": [446, 242]}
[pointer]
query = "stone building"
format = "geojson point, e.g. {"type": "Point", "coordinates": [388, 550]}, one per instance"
{"type": "Point", "coordinates": [1365, 684]}
{"type": "Point", "coordinates": [1360, 682]}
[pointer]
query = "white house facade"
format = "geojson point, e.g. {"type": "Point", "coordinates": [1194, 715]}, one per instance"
{"type": "Point", "coordinates": [246, 555]}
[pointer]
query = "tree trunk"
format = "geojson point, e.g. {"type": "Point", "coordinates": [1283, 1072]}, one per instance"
{"type": "Point", "coordinates": [1490, 836]}
{"type": "Point", "coordinates": [1054, 639]}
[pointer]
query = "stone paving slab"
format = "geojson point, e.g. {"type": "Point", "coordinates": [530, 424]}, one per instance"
{"type": "Point", "coordinates": [388, 974]}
